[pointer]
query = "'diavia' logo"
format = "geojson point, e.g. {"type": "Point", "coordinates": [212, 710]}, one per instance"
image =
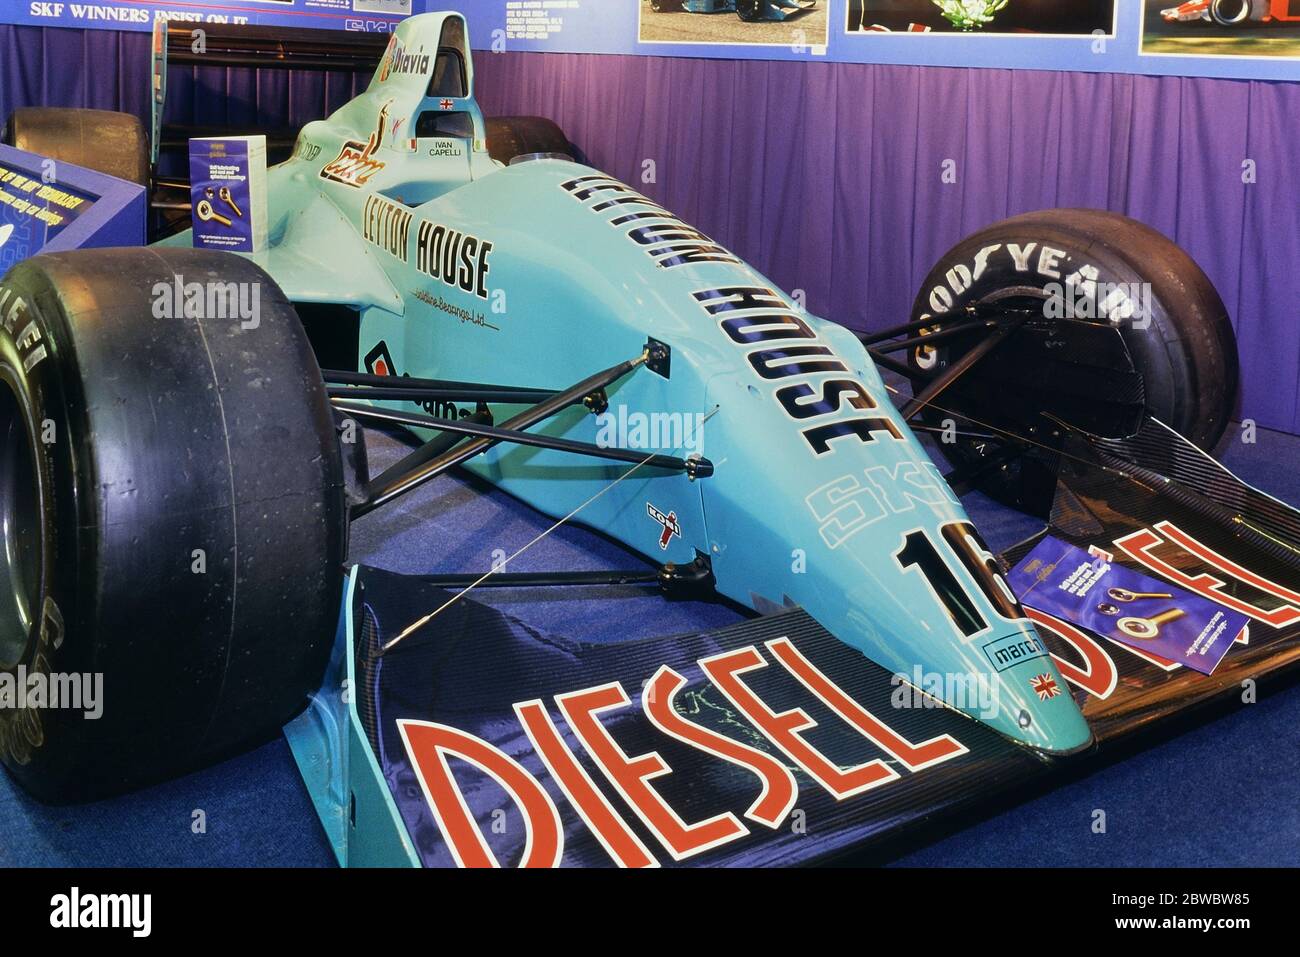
{"type": "Point", "coordinates": [73, 910]}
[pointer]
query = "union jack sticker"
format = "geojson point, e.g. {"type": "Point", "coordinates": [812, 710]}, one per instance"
{"type": "Point", "coordinates": [1044, 686]}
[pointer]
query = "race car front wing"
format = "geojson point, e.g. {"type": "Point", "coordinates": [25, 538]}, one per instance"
{"type": "Point", "coordinates": [770, 742]}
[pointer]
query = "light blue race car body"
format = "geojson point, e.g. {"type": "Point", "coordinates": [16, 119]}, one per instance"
{"type": "Point", "coordinates": [544, 272]}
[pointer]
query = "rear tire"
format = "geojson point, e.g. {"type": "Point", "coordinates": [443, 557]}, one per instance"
{"type": "Point", "coordinates": [187, 526]}
{"type": "Point", "coordinates": [511, 136]}
{"type": "Point", "coordinates": [101, 140]}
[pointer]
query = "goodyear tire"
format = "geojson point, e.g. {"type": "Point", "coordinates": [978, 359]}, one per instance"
{"type": "Point", "coordinates": [1230, 13]}
{"type": "Point", "coordinates": [749, 10]}
{"type": "Point", "coordinates": [665, 6]}
{"type": "Point", "coordinates": [1183, 348]}
{"type": "Point", "coordinates": [112, 143]}
{"type": "Point", "coordinates": [171, 490]}
{"type": "Point", "coordinates": [512, 136]}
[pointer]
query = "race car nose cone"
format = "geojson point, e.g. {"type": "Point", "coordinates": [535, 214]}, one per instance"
{"type": "Point", "coordinates": [1009, 683]}
{"type": "Point", "coordinates": [1036, 708]}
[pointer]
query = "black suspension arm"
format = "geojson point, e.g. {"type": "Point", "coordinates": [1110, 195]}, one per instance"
{"type": "Point", "coordinates": [436, 446]}
{"type": "Point", "coordinates": [412, 477]}
{"type": "Point", "coordinates": [933, 338]}
{"type": "Point", "coordinates": [363, 385]}
{"type": "Point", "coordinates": [959, 368]}
{"type": "Point", "coordinates": [696, 468]}
{"type": "Point", "coordinates": [893, 365]}
{"type": "Point", "coordinates": [916, 325]}
{"type": "Point", "coordinates": [536, 579]}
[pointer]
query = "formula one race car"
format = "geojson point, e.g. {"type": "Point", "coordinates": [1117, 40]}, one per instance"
{"type": "Point", "coordinates": [182, 458]}
{"type": "Point", "coordinates": [1229, 13]}
{"type": "Point", "coordinates": [748, 10]}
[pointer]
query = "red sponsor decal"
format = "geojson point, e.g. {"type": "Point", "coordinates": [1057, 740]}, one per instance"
{"type": "Point", "coordinates": [596, 812]}
{"type": "Point", "coordinates": [671, 527]}
{"type": "Point", "coordinates": [784, 730]}
{"type": "Point", "coordinates": [356, 163]}
{"type": "Point", "coordinates": [779, 791]}
{"type": "Point", "coordinates": [429, 745]}
{"type": "Point", "coordinates": [1141, 545]}
{"type": "Point", "coordinates": [914, 757]}
{"type": "Point", "coordinates": [632, 776]}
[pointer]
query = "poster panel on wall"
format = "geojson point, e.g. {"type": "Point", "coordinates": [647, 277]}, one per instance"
{"type": "Point", "coordinates": [1019, 18]}
{"type": "Point", "coordinates": [1222, 28]}
{"type": "Point", "coordinates": [790, 24]}
{"type": "Point", "coordinates": [1229, 38]}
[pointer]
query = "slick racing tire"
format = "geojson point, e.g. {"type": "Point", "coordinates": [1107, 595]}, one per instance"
{"type": "Point", "coordinates": [511, 136]}
{"type": "Point", "coordinates": [108, 142]}
{"type": "Point", "coordinates": [749, 10]}
{"type": "Point", "coordinates": [664, 6]}
{"type": "Point", "coordinates": [171, 495]}
{"type": "Point", "coordinates": [1182, 347]}
{"type": "Point", "coordinates": [1230, 13]}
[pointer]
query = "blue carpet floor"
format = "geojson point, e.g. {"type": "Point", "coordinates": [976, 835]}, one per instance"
{"type": "Point", "coordinates": [1222, 794]}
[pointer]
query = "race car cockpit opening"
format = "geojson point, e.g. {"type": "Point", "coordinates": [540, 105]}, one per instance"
{"type": "Point", "coordinates": [449, 82]}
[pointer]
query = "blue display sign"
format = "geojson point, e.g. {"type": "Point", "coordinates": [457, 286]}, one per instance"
{"type": "Point", "coordinates": [49, 207]}
{"type": "Point", "coordinates": [36, 210]}
{"type": "Point", "coordinates": [1228, 38]}
{"type": "Point", "coordinates": [228, 193]}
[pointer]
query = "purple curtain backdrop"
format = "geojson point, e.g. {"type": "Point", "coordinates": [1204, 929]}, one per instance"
{"type": "Point", "coordinates": [828, 176]}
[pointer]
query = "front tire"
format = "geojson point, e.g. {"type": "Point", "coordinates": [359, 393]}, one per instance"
{"type": "Point", "coordinates": [1183, 350]}
{"type": "Point", "coordinates": [187, 523]}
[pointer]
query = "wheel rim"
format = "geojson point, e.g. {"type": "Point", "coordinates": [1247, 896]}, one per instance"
{"type": "Point", "coordinates": [20, 532]}
{"type": "Point", "coordinates": [1229, 12]}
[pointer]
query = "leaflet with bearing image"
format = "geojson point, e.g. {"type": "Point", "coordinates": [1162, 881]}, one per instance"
{"type": "Point", "coordinates": [1161, 619]}
{"type": "Point", "coordinates": [228, 193]}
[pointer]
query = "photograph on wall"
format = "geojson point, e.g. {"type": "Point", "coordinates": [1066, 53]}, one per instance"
{"type": "Point", "coordinates": [788, 23]}
{"type": "Point", "coordinates": [983, 17]}
{"type": "Point", "coordinates": [1239, 28]}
